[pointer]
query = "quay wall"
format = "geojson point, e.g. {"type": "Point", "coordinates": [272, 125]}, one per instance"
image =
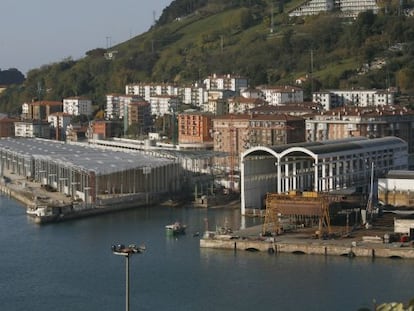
{"type": "Point", "coordinates": [16, 195]}
{"type": "Point", "coordinates": [370, 250]}
{"type": "Point", "coordinates": [25, 198]}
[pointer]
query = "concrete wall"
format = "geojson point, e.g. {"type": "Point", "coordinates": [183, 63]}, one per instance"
{"type": "Point", "coordinates": [316, 248]}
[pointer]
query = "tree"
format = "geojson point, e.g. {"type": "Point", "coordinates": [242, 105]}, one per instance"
{"type": "Point", "coordinates": [11, 76]}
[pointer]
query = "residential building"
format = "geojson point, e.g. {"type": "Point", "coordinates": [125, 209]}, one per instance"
{"type": "Point", "coordinates": [351, 8]}
{"type": "Point", "coordinates": [59, 122]}
{"type": "Point", "coordinates": [32, 128]}
{"type": "Point", "coordinates": [116, 105]}
{"type": "Point", "coordinates": [60, 119]}
{"type": "Point", "coordinates": [163, 104]}
{"type": "Point", "coordinates": [25, 111]}
{"type": "Point", "coordinates": [137, 117]}
{"type": "Point", "coordinates": [112, 108]}
{"type": "Point", "coordinates": [225, 82]}
{"type": "Point", "coordinates": [195, 94]}
{"type": "Point", "coordinates": [76, 132]}
{"type": "Point", "coordinates": [345, 8]}
{"type": "Point", "coordinates": [7, 126]}
{"type": "Point", "coordinates": [280, 95]}
{"type": "Point", "coordinates": [77, 106]}
{"type": "Point", "coordinates": [293, 109]}
{"type": "Point", "coordinates": [312, 7]}
{"type": "Point", "coordinates": [241, 104]}
{"type": "Point", "coordinates": [363, 98]}
{"type": "Point", "coordinates": [40, 110]}
{"type": "Point", "coordinates": [249, 92]}
{"type": "Point", "coordinates": [230, 134]}
{"type": "Point", "coordinates": [103, 129]}
{"type": "Point", "coordinates": [273, 130]}
{"type": "Point", "coordinates": [371, 122]}
{"type": "Point", "coordinates": [148, 90]}
{"type": "Point", "coordinates": [195, 130]}
{"type": "Point", "coordinates": [218, 102]}
{"type": "Point", "coordinates": [235, 133]}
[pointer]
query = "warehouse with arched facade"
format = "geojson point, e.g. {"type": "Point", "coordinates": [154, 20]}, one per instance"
{"type": "Point", "coordinates": [327, 166]}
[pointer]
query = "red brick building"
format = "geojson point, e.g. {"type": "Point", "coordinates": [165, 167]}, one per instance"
{"type": "Point", "coordinates": [194, 130]}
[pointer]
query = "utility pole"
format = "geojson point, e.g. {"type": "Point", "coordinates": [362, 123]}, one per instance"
{"type": "Point", "coordinates": [271, 19]}
{"type": "Point", "coordinates": [311, 72]}
{"type": "Point", "coordinates": [39, 90]}
{"type": "Point", "coordinates": [108, 42]}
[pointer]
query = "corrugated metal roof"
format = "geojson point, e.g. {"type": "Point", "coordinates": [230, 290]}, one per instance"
{"type": "Point", "coordinates": [398, 174]}
{"type": "Point", "coordinates": [338, 145]}
{"type": "Point", "coordinates": [82, 157]}
{"type": "Point", "coordinates": [320, 146]}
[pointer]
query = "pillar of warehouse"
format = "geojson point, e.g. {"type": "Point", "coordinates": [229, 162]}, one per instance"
{"type": "Point", "coordinates": [257, 178]}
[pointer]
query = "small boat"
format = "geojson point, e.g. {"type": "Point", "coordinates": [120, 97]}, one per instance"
{"type": "Point", "coordinates": [175, 228]}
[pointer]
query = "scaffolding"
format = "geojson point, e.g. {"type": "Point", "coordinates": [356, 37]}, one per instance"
{"type": "Point", "coordinates": [304, 206]}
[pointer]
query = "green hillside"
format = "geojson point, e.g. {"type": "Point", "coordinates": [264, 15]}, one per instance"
{"type": "Point", "coordinates": [253, 38]}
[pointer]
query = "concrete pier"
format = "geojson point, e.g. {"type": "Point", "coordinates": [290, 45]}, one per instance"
{"type": "Point", "coordinates": [303, 243]}
{"type": "Point", "coordinates": [56, 207]}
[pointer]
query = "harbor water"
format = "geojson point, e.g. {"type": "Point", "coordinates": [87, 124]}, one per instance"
{"type": "Point", "coordinates": [70, 266]}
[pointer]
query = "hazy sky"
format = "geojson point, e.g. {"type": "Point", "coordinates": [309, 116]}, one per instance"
{"type": "Point", "coordinates": [40, 32]}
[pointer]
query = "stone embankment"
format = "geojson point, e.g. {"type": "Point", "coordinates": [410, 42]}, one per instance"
{"type": "Point", "coordinates": [362, 244]}
{"type": "Point", "coordinates": [50, 207]}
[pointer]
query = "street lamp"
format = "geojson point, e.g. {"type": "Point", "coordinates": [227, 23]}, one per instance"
{"type": "Point", "coordinates": [127, 251]}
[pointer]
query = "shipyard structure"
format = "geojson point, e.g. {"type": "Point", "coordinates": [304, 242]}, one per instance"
{"type": "Point", "coordinates": [90, 177]}
{"type": "Point", "coordinates": [344, 166]}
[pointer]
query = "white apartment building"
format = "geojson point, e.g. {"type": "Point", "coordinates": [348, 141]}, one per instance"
{"type": "Point", "coordinates": [25, 111]}
{"type": "Point", "coordinates": [60, 119]}
{"type": "Point", "coordinates": [117, 103]}
{"type": "Point", "coordinates": [361, 98]}
{"type": "Point", "coordinates": [32, 129]}
{"type": "Point", "coordinates": [280, 95]}
{"type": "Point", "coordinates": [313, 7]}
{"type": "Point", "coordinates": [346, 8]}
{"type": "Point", "coordinates": [351, 8]}
{"type": "Point", "coordinates": [112, 110]}
{"type": "Point", "coordinates": [225, 82]}
{"type": "Point", "coordinates": [192, 95]}
{"type": "Point", "coordinates": [77, 106]}
{"type": "Point", "coordinates": [163, 104]}
{"type": "Point", "coordinates": [148, 90]}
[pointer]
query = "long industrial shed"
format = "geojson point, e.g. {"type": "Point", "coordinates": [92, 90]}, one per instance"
{"type": "Point", "coordinates": [88, 173]}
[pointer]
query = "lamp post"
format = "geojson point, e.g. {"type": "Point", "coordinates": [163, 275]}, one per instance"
{"type": "Point", "coordinates": [127, 251]}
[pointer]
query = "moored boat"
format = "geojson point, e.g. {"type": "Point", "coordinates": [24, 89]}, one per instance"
{"type": "Point", "coordinates": [175, 228]}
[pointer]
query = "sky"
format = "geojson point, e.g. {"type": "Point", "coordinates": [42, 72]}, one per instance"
{"type": "Point", "coordinates": [40, 32]}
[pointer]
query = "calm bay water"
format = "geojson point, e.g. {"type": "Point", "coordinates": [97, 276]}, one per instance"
{"type": "Point", "coordinates": [69, 266]}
